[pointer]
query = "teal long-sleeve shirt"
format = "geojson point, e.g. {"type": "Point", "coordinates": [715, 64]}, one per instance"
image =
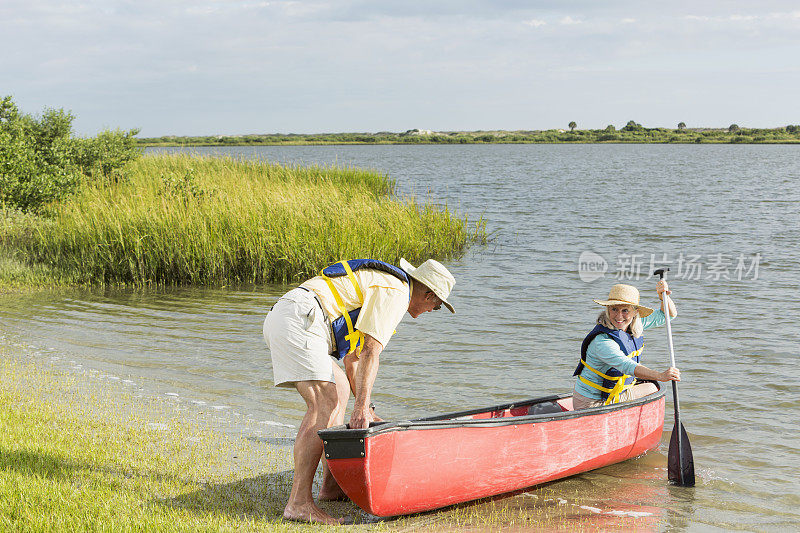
{"type": "Point", "coordinates": [604, 353]}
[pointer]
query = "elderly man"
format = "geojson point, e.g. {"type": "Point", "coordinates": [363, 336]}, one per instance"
{"type": "Point", "coordinates": [348, 312]}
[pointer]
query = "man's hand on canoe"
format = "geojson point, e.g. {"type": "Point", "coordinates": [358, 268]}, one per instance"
{"type": "Point", "coordinates": [360, 418]}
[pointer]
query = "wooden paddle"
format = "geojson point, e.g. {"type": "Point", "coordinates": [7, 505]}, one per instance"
{"type": "Point", "coordinates": [680, 463]}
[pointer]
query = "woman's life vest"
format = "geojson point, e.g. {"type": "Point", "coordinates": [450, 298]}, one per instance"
{"type": "Point", "coordinates": [614, 381]}
{"type": "Point", "coordinates": [346, 337]}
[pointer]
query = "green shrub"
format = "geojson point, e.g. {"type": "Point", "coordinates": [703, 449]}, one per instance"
{"type": "Point", "coordinates": [104, 157]}
{"type": "Point", "coordinates": [36, 164]}
{"type": "Point", "coordinates": [41, 163]}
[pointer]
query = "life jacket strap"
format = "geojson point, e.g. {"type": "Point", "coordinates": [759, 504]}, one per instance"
{"type": "Point", "coordinates": [353, 280]}
{"type": "Point", "coordinates": [593, 385]}
{"type": "Point", "coordinates": [604, 376]}
{"type": "Point", "coordinates": [619, 388]}
{"type": "Point", "coordinates": [353, 335]}
{"type": "Point", "coordinates": [613, 393]}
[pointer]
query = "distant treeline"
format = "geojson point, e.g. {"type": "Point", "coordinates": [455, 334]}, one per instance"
{"type": "Point", "coordinates": [630, 133]}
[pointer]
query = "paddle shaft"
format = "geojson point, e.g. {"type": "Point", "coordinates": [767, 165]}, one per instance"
{"type": "Point", "coordinates": [665, 299]}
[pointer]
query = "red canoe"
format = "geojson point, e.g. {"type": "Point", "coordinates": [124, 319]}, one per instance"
{"type": "Point", "coordinates": [396, 468]}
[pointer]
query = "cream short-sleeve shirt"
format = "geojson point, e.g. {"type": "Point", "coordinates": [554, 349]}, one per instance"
{"type": "Point", "coordinates": [385, 301]}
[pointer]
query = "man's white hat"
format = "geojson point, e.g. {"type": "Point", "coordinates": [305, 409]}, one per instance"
{"type": "Point", "coordinates": [433, 275]}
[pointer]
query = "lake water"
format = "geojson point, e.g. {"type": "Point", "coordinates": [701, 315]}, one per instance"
{"type": "Point", "coordinates": [567, 222]}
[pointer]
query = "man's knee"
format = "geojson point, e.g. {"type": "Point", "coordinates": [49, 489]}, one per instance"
{"type": "Point", "coordinates": [321, 397]}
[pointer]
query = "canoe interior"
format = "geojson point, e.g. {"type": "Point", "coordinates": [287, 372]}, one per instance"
{"type": "Point", "coordinates": [541, 406]}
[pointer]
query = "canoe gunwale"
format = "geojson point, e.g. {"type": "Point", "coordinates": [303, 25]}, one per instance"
{"type": "Point", "coordinates": [456, 420]}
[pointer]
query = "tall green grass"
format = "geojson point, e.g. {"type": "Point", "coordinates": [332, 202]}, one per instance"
{"type": "Point", "coordinates": [183, 219]}
{"type": "Point", "coordinates": [16, 272]}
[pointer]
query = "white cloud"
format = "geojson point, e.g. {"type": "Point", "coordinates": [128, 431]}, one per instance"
{"type": "Point", "coordinates": [202, 10]}
{"type": "Point", "coordinates": [302, 9]}
{"type": "Point", "coordinates": [228, 8]}
{"type": "Point", "coordinates": [535, 23]}
{"type": "Point", "coordinates": [745, 18]}
{"type": "Point", "coordinates": [569, 21]}
{"type": "Point", "coordinates": [628, 21]}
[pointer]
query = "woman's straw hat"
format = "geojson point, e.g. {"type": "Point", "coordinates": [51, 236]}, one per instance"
{"type": "Point", "coordinates": [433, 275]}
{"type": "Point", "coordinates": [625, 295]}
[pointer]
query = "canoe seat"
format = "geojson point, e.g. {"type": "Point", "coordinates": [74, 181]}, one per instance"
{"type": "Point", "coordinates": [545, 408]}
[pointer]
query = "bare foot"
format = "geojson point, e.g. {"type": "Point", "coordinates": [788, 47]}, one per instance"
{"type": "Point", "coordinates": [330, 491]}
{"type": "Point", "coordinates": [310, 513]}
{"type": "Point", "coordinates": [375, 418]}
{"type": "Point", "coordinates": [332, 495]}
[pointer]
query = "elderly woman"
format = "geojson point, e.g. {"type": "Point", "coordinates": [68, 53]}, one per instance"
{"type": "Point", "coordinates": [610, 353]}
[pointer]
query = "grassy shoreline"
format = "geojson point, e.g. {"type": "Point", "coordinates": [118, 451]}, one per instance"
{"type": "Point", "coordinates": [78, 456]}
{"type": "Point", "coordinates": [181, 219]}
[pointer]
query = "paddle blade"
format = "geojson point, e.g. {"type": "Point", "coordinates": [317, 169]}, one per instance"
{"type": "Point", "coordinates": [680, 460]}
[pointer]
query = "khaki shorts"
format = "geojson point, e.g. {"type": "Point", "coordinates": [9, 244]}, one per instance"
{"type": "Point", "coordinates": [299, 340]}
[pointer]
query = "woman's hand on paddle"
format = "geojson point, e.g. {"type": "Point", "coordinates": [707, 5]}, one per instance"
{"type": "Point", "coordinates": [661, 288]}
{"type": "Point", "coordinates": [670, 374]}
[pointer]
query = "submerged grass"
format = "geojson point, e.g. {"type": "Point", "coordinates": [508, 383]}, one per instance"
{"type": "Point", "coordinates": [184, 219]}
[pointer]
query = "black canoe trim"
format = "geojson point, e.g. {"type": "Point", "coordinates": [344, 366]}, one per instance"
{"type": "Point", "coordinates": [346, 448]}
{"type": "Point", "coordinates": [333, 436]}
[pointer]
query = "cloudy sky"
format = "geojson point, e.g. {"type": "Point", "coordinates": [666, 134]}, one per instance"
{"type": "Point", "coordinates": [205, 67]}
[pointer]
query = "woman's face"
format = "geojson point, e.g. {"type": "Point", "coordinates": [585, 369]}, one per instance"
{"type": "Point", "coordinates": [621, 315]}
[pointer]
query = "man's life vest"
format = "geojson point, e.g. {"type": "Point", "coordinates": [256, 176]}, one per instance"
{"type": "Point", "coordinates": [345, 335]}
{"type": "Point", "coordinates": [614, 381]}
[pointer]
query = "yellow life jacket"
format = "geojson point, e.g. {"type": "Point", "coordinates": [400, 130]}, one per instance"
{"type": "Point", "coordinates": [614, 381]}
{"type": "Point", "coordinates": [347, 338]}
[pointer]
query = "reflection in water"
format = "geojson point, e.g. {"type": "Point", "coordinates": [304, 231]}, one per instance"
{"type": "Point", "coordinates": [620, 497]}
